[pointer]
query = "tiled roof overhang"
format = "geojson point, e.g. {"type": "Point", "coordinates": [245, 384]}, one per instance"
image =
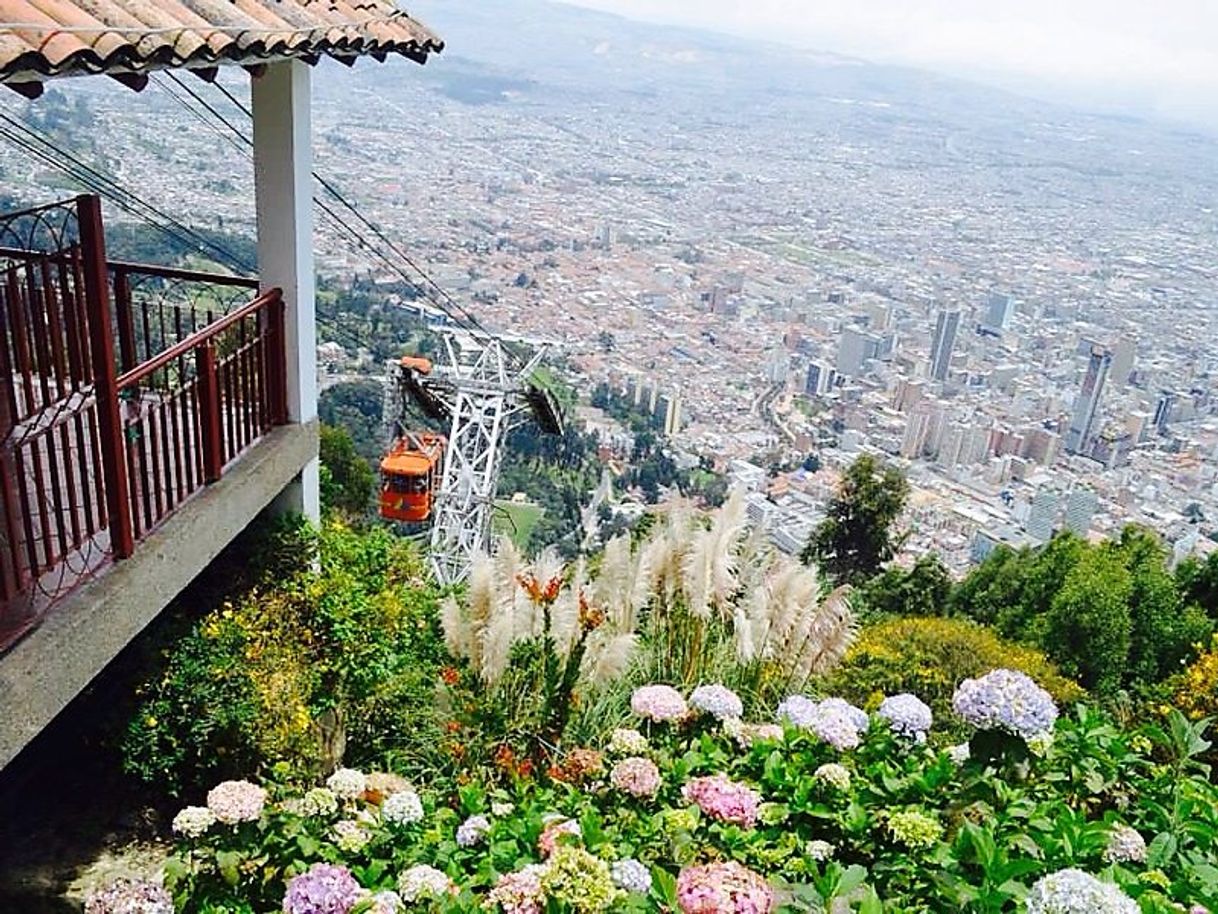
{"type": "Point", "coordinates": [42, 39]}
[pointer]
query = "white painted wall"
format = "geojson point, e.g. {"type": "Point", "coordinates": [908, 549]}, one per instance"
{"type": "Point", "coordinates": [283, 191]}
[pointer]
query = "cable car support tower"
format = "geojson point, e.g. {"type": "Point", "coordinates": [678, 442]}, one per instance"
{"type": "Point", "coordinates": [480, 395]}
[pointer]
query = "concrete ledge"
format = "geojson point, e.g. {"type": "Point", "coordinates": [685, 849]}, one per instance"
{"type": "Point", "coordinates": [51, 665]}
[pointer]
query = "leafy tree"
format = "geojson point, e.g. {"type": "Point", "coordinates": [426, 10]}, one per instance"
{"type": "Point", "coordinates": [923, 590]}
{"type": "Point", "coordinates": [1164, 629]}
{"type": "Point", "coordinates": [1011, 589]}
{"type": "Point", "coordinates": [1198, 583]}
{"type": "Point", "coordinates": [1088, 629]}
{"type": "Point", "coordinates": [855, 539]}
{"type": "Point", "coordinates": [1022, 594]}
{"type": "Point", "coordinates": [356, 407]}
{"type": "Point", "coordinates": [347, 482]}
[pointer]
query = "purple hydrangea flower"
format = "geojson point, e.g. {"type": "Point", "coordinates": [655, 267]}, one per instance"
{"type": "Point", "coordinates": [908, 716]}
{"type": "Point", "coordinates": [834, 720]}
{"type": "Point", "coordinates": [322, 889]}
{"type": "Point", "coordinates": [631, 876]}
{"type": "Point", "coordinates": [1005, 700]}
{"type": "Point", "coordinates": [718, 701]}
{"type": "Point", "coordinates": [473, 830]}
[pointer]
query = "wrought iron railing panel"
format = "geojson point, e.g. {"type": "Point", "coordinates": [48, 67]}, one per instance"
{"type": "Point", "coordinates": [124, 389]}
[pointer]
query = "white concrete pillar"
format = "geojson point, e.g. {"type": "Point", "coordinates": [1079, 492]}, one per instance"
{"type": "Point", "coordinates": [283, 191]}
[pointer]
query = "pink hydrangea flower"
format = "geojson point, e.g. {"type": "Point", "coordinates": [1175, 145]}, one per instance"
{"type": "Point", "coordinates": [554, 829]}
{"type": "Point", "coordinates": [723, 799]}
{"type": "Point", "coordinates": [636, 776]}
{"type": "Point", "coordinates": [519, 892]}
{"type": "Point", "coordinates": [128, 896]}
{"type": "Point", "coordinates": [723, 888]}
{"type": "Point", "coordinates": [659, 703]}
{"type": "Point", "coordinates": [236, 801]}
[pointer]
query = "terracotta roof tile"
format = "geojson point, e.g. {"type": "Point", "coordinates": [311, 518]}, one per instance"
{"type": "Point", "coordinates": [40, 39]}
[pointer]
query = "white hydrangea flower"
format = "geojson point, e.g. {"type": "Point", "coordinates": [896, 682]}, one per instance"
{"type": "Point", "coordinates": [627, 742]}
{"type": "Point", "coordinates": [385, 902]}
{"type": "Point", "coordinates": [1125, 845]}
{"type": "Point", "coordinates": [1039, 744]}
{"type": "Point", "coordinates": [423, 881]}
{"type": "Point", "coordinates": [236, 801]}
{"type": "Point", "coordinates": [402, 808]}
{"type": "Point", "coordinates": [193, 821]}
{"type": "Point", "coordinates": [320, 801]}
{"type": "Point", "coordinates": [1072, 891]}
{"type": "Point", "coordinates": [473, 830]}
{"type": "Point", "coordinates": [350, 835]}
{"type": "Point", "coordinates": [960, 753]}
{"type": "Point", "coordinates": [833, 774]}
{"type": "Point", "coordinates": [820, 851]}
{"type": "Point", "coordinates": [500, 810]}
{"type": "Point", "coordinates": [347, 783]}
{"type": "Point", "coordinates": [631, 876]}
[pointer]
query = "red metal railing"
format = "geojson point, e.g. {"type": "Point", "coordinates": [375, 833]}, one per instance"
{"type": "Point", "coordinates": [124, 390]}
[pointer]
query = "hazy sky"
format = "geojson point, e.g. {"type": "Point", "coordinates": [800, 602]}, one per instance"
{"type": "Point", "coordinates": [1158, 55]}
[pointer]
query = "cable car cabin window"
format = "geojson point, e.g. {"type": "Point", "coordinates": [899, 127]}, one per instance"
{"type": "Point", "coordinates": [406, 485]}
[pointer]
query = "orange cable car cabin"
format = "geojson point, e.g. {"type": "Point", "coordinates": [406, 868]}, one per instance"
{"type": "Point", "coordinates": [410, 476]}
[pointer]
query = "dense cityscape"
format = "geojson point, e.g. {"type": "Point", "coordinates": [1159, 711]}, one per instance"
{"type": "Point", "coordinates": [509, 458]}
{"type": "Point", "coordinates": [1011, 300]}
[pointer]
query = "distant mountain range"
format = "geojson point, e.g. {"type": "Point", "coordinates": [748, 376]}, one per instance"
{"type": "Point", "coordinates": [559, 46]}
{"type": "Point", "coordinates": [562, 59]}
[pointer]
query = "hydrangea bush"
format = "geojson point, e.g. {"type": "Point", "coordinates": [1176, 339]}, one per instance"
{"type": "Point", "coordinates": [696, 820]}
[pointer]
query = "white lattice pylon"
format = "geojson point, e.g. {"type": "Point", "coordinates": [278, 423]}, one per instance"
{"type": "Point", "coordinates": [485, 397]}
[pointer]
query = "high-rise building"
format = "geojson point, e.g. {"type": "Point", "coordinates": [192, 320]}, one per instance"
{"type": "Point", "coordinates": [1087, 403]}
{"type": "Point", "coordinates": [946, 325]}
{"type": "Point", "coordinates": [1080, 509]}
{"type": "Point", "coordinates": [857, 347]}
{"type": "Point", "coordinates": [998, 312]}
{"type": "Point", "coordinates": [777, 365]}
{"type": "Point", "coordinates": [1042, 445]}
{"type": "Point", "coordinates": [820, 379]}
{"type": "Point", "coordinates": [1042, 517]}
{"type": "Point", "coordinates": [951, 446]}
{"type": "Point", "coordinates": [667, 412]}
{"type": "Point", "coordinates": [916, 429]}
{"type": "Point", "coordinates": [976, 445]}
{"type": "Point", "coordinates": [938, 427]}
{"type": "Point", "coordinates": [907, 393]}
{"type": "Point", "coordinates": [1163, 410]}
{"type": "Point", "coordinates": [1123, 351]}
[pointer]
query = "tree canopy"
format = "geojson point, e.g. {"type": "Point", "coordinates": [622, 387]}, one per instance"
{"type": "Point", "coordinates": [855, 539]}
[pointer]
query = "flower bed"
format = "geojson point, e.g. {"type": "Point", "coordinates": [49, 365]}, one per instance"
{"type": "Point", "coordinates": [1044, 814]}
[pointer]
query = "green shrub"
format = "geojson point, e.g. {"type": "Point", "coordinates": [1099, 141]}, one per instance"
{"type": "Point", "coordinates": [347, 481]}
{"type": "Point", "coordinates": [298, 673]}
{"type": "Point", "coordinates": [929, 657]}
